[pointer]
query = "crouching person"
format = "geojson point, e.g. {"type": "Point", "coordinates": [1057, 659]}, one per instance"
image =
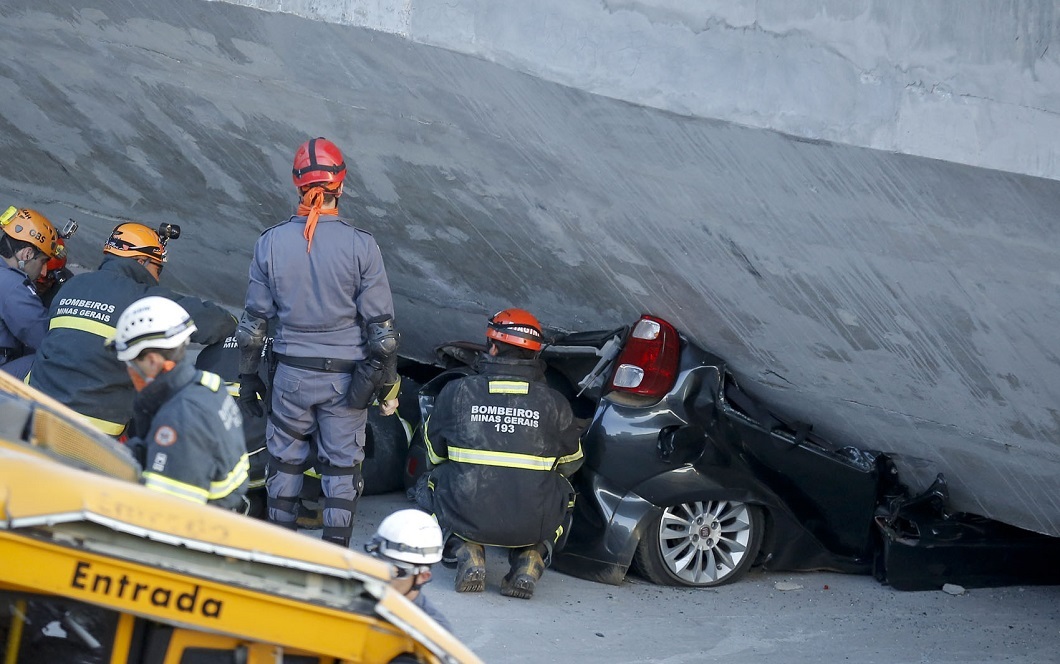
{"type": "Point", "coordinates": [502, 483]}
{"type": "Point", "coordinates": [186, 430]}
{"type": "Point", "coordinates": [411, 541]}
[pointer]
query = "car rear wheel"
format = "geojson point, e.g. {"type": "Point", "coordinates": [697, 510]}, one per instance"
{"type": "Point", "coordinates": [701, 544]}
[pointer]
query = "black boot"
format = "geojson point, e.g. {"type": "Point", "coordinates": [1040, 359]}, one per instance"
{"type": "Point", "coordinates": [527, 567]}
{"type": "Point", "coordinates": [344, 542]}
{"type": "Point", "coordinates": [471, 568]}
{"type": "Point", "coordinates": [452, 545]}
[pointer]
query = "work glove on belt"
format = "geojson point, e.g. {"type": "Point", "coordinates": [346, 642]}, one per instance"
{"type": "Point", "coordinates": [373, 377]}
{"type": "Point", "coordinates": [367, 377]}
{"type": "Point", "coordinates": [251, 388]}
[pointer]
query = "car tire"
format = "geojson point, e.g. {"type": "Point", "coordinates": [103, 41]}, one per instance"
{"type": "Point", "coordinates": [701, 544]}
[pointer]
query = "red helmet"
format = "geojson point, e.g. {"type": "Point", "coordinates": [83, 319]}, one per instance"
{"type": "Point", "coordinates": [517, 327]}
{"type": "Point", "coordinates": [318, 160]}
{"type": "Point", "coordinates": [53, 265]}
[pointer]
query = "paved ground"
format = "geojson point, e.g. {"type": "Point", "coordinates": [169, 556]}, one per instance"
{"type": "Point", "coordinates": [829, 618]}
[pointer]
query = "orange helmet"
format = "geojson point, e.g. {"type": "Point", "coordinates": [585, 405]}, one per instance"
{"type": "Point", "coordinates": [318, 161]}
{"type": "Point", "coordinates": [34, 228]}
{"type": "Point", "coordinates": [517, 327]}
{"type": "Point", "coordinates": [134, 240]}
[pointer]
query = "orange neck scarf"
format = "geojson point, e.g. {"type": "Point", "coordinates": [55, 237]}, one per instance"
{"type": "Point", "coordinates": [313, 201]}
{"type": "Point", "coordinates": [312, 206]}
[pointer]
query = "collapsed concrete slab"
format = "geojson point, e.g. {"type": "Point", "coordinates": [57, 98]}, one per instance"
{"type": "Point", "coordinates": [895, 301]}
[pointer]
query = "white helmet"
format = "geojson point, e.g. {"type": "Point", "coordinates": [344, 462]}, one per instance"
{"type": "Point", "coordinates": [151, 322]}
{"type": "Point", "coordinates": [407, 536]}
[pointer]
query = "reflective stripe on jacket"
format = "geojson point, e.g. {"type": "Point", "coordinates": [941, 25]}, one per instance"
{"type": "Point", "coordinates": [72, 364]}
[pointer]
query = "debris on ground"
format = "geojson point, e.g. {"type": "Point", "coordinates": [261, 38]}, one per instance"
{"type": "Point", "coordinates": [786, 585]}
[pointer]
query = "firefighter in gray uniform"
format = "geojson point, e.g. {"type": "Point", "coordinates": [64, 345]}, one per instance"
{"type": "Point", "coordinates": [186, 431]}
{"type": "Point", "coordinates": [335, 344]}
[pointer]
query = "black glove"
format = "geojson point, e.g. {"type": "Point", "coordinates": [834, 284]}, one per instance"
{"type": "Point", "coordinates": [251, 387]}
{"type": "Point", "coordinates": [364, 385]}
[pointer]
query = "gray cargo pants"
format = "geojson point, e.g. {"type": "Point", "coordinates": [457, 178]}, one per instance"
{"type": "Point", "coordinates": [309, 404]}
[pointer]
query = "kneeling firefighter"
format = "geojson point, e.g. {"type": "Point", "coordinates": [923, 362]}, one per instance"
{"type": "Point", "coordinates": [503, 442]}
{"type": "Point", "coordinates": [335, 344]}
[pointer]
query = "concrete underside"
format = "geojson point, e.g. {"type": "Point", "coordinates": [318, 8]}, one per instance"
{"type": "Point", "coordinates": [897, 302]}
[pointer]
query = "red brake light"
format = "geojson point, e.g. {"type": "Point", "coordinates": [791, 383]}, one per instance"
{"type": "Point", "coordinates": [647, 365]}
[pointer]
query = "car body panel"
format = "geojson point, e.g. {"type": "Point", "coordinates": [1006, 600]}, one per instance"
{"type": "Point", "coordinates": [923, 546]}
{"type": "Point", "coordinates": [694, 444]}
{"type": "Point", "coordinates": [605, 531]}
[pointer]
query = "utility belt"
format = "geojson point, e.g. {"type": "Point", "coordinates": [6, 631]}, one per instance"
{"type": "Point", "coordinates": [318, 363]}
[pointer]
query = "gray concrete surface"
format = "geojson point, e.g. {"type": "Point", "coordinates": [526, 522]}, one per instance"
{"type": "Point", "coordinates": [828, 618]}
{"type": "Point", "coordinates": [970, 81]}
{"type": "Point", "coordinates": [896, 302]}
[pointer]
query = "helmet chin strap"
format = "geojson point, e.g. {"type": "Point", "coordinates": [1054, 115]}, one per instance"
{"type": "Point", "coordinates": [416, 585]}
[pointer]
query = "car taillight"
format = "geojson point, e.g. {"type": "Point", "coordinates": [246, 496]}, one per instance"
{"type": "Point", "coordinates": [647, 365]}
